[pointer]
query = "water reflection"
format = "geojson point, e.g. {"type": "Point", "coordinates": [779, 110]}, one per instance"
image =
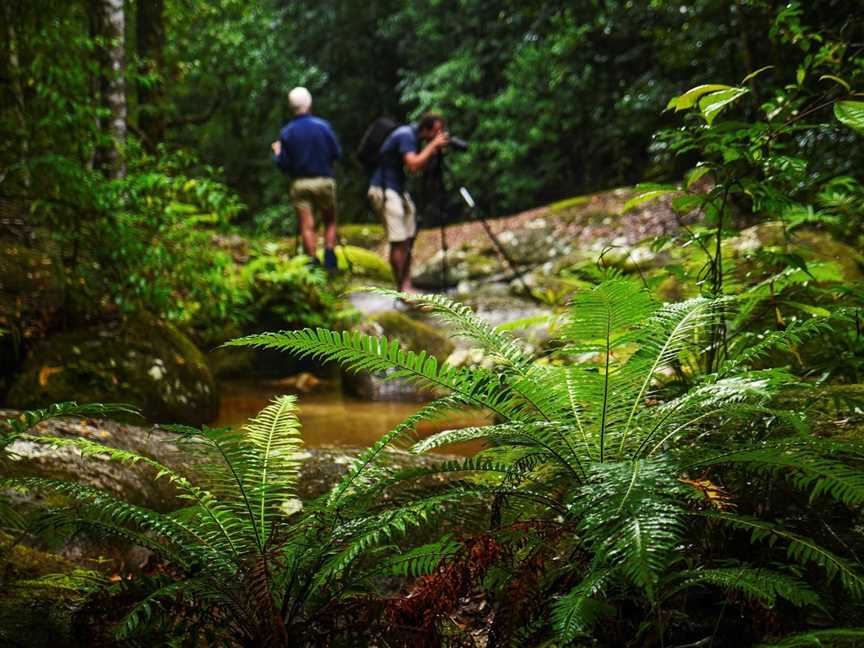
{"type": "Point", "coordinates": [330, 418]}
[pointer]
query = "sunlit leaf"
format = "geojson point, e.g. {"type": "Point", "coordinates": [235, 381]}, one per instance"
{"type": "Point", "coordinates": [712, 104]}
{"type": "Point", "coordinates": [850, 113]}
{"type": "Point", "coordinates": [689, 98]}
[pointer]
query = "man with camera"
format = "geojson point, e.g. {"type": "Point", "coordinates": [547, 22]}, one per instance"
{"type": "Point", "coordinates": [306, 150]}
{"type": "Point", "coordinates": [400, 151]}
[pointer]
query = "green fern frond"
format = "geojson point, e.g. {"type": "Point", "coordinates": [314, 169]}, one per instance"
{"type": "Point", "coordinates": [762, 585]}
{"type": "Point", "coordinates": [272, 442]}
{"type": "Point", "coordinates": [798, 548]}
{"type": "Point", "coordinates": [551, 437]}
{"type": "Point", "coordinates": [632, 515]}
{"type": "Point", "coordinates": [578, 611]}
{"type": "Point", "coordinates": [358, 352]}
{"type": "Point", "coordinates": [360, 469]}
{"type": "Point", "coordinates": [795, 334]}
{"type": "Point", "coordinates": [666, 334]}
{"type": "Point", "coordinates": [807, 466]}
{"type": "Point", "coordinates": [118, 517]}
{"type": "Point", "coordinates": [220, 524]}
{"type": "Point", "coordinates": [362, 534]}
{"type": "Point", "coordinates": [833, 638]}
{"type": "Point", "coordinates": [508, 350]}
{"type": "Point", "coordinates": [12, 428]}
{"type": "Point", "coordinates": [730, 398]}
{"type": "Point", "coordinates": [421, 561]}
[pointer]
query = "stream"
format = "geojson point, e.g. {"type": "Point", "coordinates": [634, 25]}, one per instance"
{"type": "Point", "coordinates": [331, 419]}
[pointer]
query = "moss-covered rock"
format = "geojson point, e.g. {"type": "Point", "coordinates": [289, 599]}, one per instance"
{"type": "Point", "coordinates": [812, 245]}
{"type": "Point", "coordinates": [143, 361]}
{"type": "Point", "coordinates": [364, 235]}
{"type": "Point", "coordinates": [413, 335]}
{"type": "Point", "coordinates": [42, 598]}
{"type": "Point", "coordinates": [361, 262]}
{"type": "Point", "coordinates": [462, 264]}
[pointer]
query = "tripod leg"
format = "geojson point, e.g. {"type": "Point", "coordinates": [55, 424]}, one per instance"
{"type": "Point", "coordinates": [443, 257]}
{"type": "Point", "coordinates": [517, 275]}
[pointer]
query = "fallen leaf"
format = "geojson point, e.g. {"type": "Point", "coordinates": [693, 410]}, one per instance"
{"type": "Point", "coordinates": [45, 374]}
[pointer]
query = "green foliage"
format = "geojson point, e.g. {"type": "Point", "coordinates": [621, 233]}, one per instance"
{"type": "Point", "coordinates": [590, 443]}
{"type": "Point", "coordinates": [249, 561]}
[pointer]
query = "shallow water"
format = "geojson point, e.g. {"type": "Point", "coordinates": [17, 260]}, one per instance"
{"type": "Point", "coordinates": [330, 418]}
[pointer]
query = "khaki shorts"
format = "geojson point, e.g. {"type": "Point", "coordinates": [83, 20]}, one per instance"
{"type": "Point", "coordinates": [314, 194]}
{"type": "Point", "coordinates": [397, 213]}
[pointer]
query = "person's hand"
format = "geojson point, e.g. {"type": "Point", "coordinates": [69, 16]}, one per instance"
{"type": "Point", "coordinates": [277, 147]}
{"type": "Point", "coordinates": [441, 140]}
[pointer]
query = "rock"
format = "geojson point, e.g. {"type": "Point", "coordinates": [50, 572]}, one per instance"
{"type": "Point", "coordinates": [462, 265]}
{"type": "Point", "coordinates": [143, 361]}
{"type": "Point", "coordinates": [813, 245]}
{"type": "Point", "coordinates": [363, 235]}
{"type": "Point", "coordinates": [43, 599]}
{"type": "Point", "coordinates": [360, 262]}
{"type": "Point", "coordinates": [413, 335]}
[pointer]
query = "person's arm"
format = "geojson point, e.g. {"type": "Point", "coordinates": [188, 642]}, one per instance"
{"type": "Point", "coordinates": [280, 153]}
{"type": "Point", "coordinates": [414, 162]}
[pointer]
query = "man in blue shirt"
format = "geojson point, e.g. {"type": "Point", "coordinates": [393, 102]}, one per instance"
{"type": "Point", "coordinates": [306, 150]}
{"type": "Point", "coordinates": [400, 151]}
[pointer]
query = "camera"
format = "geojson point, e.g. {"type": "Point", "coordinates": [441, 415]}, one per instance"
{"type": "Point", "coordinates": [458, 144]}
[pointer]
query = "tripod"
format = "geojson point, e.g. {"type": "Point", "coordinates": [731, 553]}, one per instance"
{"type": "Point", "coordinates": [435, 191]}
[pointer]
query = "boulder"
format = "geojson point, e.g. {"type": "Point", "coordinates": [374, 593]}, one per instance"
{"type": "Point", "coordinates": [360, 262]}
{"type": "Point", "coordinates": [413, 335]}
{"type": "Point", "coordinates": [813, 245]}
{"type": "Point", "coordinates": [364, 235]}
{"type": "Point", "coordinates": [462, 264]}
{"type": "Point", "coordinates": [143, 361]}
{"type": "Point", "coordinates": [44, 600]}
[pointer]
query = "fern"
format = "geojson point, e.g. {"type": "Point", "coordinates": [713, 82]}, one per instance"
{"type": "Point", "coordinates": [798, 548]}
{"type": "Point", "coordinates": [581, 608]}
{"type": "Point", "coordinates": [833, 638]}
{"type": "Point", "coordinates": [423, 560]}
{"type": "Point", "coordinates": [761, 585]}
{"type": "Point", "coordinates": [12, 428]}
{"type": "Point", "coordinates": [507, 350]}
{"type": "Point", "coordinates": [808, 466]}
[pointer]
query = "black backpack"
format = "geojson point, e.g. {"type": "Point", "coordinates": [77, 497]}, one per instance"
{"type": "Point", "coordinates": [369, 150]}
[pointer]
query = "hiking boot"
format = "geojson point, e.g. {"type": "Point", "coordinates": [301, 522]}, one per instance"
{"type": "Point", "coordinates": [331, 264]}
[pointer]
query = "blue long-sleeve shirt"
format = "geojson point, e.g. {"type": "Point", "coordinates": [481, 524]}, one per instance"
{"type": "Point", "coordinates": [309, 148]}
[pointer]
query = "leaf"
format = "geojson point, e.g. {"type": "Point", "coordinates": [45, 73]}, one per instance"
{"type": "Point", "coordinates": [646, 193]}
{"type": "Point", "coordinates": [689, 98]}
{"type": "Point", "coordinates": [45, 374]}
{"type": "Point", "coordinates": [696, 174]}
{"type": "Point", "coordinates": [712, 104]}
{"type": "Point", "coordinates": [755, 73]}
{"type": "Point", "coordinates": [836, 79]}
{"type": "Point", "coordinates": [850, 113]}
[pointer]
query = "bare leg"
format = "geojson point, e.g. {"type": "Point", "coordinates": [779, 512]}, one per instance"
{"type": "Point", "coordinates": [397, 261]}
{"type": "Point", "coordinates": [405, 280]}
{"type": "Point", "coordinates": [307, 230]}
{"type": "Point", "coordinates": [329, 218]}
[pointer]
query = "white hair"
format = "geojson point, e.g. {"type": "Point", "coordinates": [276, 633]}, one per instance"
{"type": "Point", "coordinates": [300, 100]}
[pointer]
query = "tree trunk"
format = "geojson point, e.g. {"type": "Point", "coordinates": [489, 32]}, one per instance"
{"type": "Point", "coordinates": [107, 20]}
{"type": "Point", "coordinates": [150, 37]}
{"type": "Point", "coordinates": [20, 107]}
